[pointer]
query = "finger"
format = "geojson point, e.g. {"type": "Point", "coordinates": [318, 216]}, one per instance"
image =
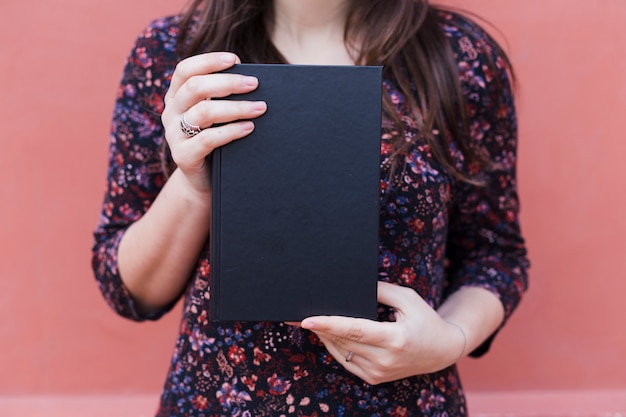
{"type": "Point", "coordinates": [202, 87]}
{"type": "Point", "coordinates": [199, 65]}
{"type": "Point", "coordinates": [398, 297]}
{"type": "Point", "coordinates": [341, 330]}
{"type": "Point", "coordinates": [192, 151]}
{"type": "Point", "coordinates": [357, 360]}
{"type": "Point", "coordinates": [206, 113]}
{"type": "Point", "coordinates": [221, 135]}
{"type": "Point", "coordinates": [343, 355]}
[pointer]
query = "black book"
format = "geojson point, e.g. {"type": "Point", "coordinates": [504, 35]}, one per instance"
{"type": "Point", "coordinates": [295, 205]}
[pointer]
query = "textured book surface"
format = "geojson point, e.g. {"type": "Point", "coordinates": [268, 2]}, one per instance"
{"type": "Point", "coordinates": [295, 204]}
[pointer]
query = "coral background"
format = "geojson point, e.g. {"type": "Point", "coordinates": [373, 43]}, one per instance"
{"type": "Point", "coordinates": [60, 64]}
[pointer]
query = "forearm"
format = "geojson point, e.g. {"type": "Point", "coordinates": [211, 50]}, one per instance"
{"type": "Point", "coordinates": [159, 251]}
{"type": "Point", "coordinates": [476, 311]}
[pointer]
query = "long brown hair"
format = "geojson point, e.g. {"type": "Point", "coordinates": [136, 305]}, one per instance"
{"type": "Point", "coordinates": [410, 45]}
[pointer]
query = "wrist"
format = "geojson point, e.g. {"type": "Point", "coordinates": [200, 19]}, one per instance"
{"type": "Point", "coordinates": [194, 191]}
{"type": "Point", "coordinates": [458, 341]}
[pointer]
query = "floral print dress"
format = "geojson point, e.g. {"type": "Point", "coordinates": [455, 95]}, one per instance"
{"type": "Point", "coordinates": [437, 234]}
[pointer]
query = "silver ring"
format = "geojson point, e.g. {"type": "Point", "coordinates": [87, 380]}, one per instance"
{"type": "Point", "coordinates": [349, 356]}
{"type": "Point", "coordinates": [189, 129]}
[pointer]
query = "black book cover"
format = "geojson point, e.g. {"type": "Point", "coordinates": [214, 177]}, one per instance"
{"type": "Point", "coordinates": [295, 205]}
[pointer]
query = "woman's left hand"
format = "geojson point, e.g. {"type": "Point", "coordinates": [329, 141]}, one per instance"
{"type": "Point", "coordinates": [418, 342]}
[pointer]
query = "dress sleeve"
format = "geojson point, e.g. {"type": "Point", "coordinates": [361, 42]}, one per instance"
{"type": "Point", "coordinates": [135, 175]}
{"type": "Point", "coordinates": [486, 248]}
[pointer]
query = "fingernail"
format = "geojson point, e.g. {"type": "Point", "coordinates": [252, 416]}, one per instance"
{"type": "Point", "coordinates": [250, 81]}
{"type": "Point", "coordinates": [227, 58]}
{"type": "Point", "coordinates": [308, 324]}
{"type": "Point", "coordinates": [247, 126]}
{"type": "Point", "coordinates": [259, 106]}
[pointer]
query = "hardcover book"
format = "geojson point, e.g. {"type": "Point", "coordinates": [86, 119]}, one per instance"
{"type": "Point", "coordinates": [294, 228]}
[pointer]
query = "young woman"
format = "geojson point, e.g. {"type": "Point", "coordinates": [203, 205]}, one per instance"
{"type": "Point", "coordinates": [452, 261]}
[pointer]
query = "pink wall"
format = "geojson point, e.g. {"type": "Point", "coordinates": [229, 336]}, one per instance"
{"type": "Point", "coordinates": [60, 63]}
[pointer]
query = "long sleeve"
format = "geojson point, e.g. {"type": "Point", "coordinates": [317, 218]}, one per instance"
{"type": "Point", "coordinates": [135, 175]}
{"type": "Point", "coordinates": [485, 244]}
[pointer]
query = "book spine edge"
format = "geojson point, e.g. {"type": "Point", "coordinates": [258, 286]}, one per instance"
{"type": "Point", "coordinates": [215, 234]}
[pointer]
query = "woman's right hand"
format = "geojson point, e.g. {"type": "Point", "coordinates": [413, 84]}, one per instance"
{"type": "Point", "coordinates": [195, 83]}
{"type": "Point", "coordinates": [159, 252]}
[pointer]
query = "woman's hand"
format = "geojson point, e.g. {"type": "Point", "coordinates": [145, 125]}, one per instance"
{"type": "Point", "coordinates": [420, 341]}
{"type": "Point", "coordinates": [195, 83]}
{"type": "Point", "coordinates": [159, 252]}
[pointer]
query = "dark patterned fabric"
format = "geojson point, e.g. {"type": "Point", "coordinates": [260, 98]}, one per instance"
{"type": "Point", "coordinates": [436, 235]}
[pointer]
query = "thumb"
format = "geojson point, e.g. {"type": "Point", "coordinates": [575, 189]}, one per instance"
{"type": "Point", "coordinates": [398, 297]}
